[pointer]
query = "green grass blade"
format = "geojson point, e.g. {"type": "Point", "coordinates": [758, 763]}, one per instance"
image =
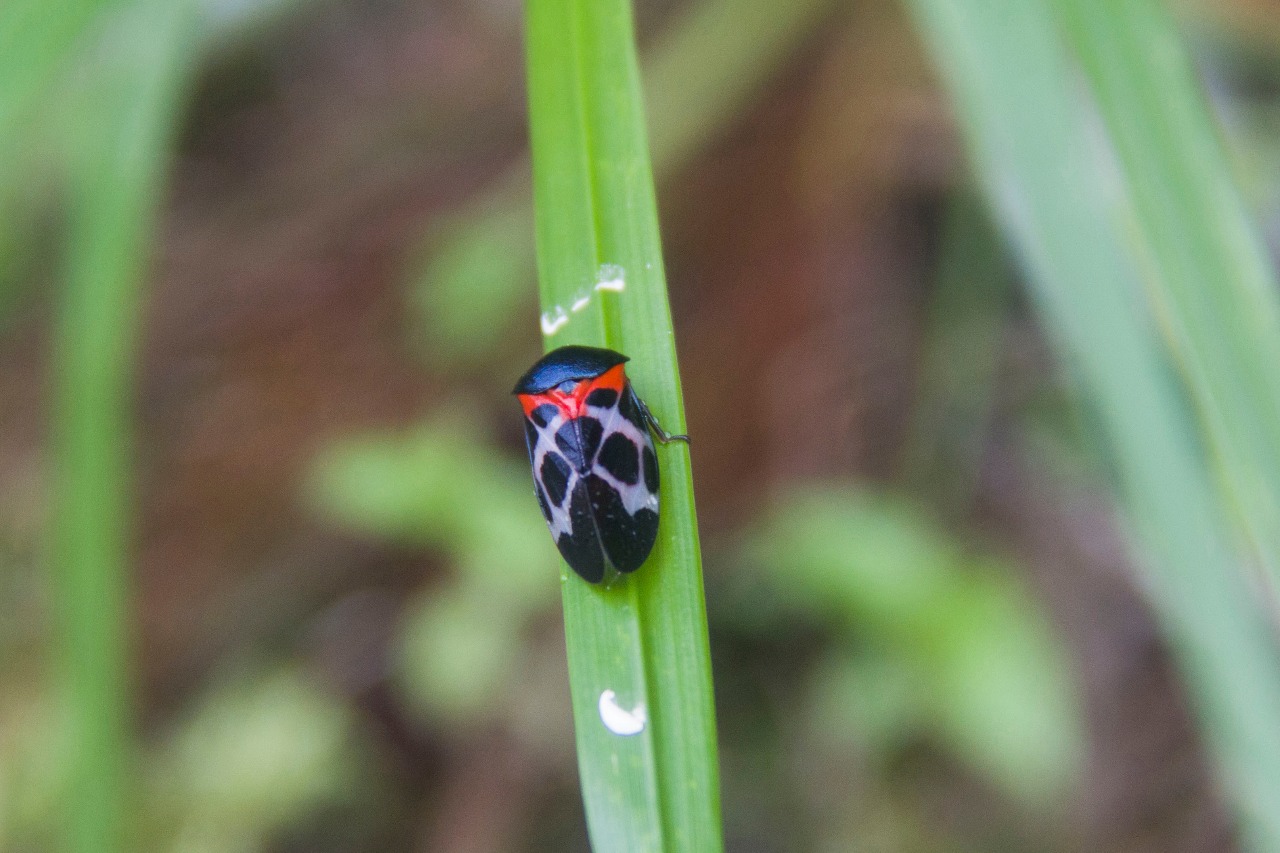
{"type": "Point", "coordinates": [1207, 272]}
{"type": "Point", "coordinates": [1034, 144]}
{"type": "Point", "coordinates": [645, 638]}
{"type": "Point", "coordinates": [121, 142]}
{"type": "Point", "coordinates": [37, 38]}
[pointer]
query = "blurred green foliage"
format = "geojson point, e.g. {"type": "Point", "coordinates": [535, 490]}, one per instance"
{"type": "Point", "coordinates": [963, 342]}
{"type": "Point", "coordinates": [255, 753]}
{"type": "Point", "coordinates": [258, 753]}
{"type": "Point", "coordinates": [460, 645]}
{"type": "Point", "coordinates": [930, 636]}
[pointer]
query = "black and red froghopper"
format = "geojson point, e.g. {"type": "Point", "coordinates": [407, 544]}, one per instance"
{"type": "Point", "coordinates": [594, 468]}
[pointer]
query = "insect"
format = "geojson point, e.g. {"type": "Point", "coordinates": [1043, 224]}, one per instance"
{"type": "Point", "coordinates": [594, 468]}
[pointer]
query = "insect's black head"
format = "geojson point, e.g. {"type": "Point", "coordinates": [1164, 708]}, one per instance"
{"type": "Point", "coordinates": [566, 364]}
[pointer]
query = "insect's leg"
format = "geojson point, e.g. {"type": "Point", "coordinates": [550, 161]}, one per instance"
{"type": "Point", "coordinates": [659, 433]}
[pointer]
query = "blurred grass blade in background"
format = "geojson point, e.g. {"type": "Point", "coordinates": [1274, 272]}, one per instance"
{"type": "Point", "coordinates": [960, 363]}
{"type": "Point", "coordinates": [37, 38]}
{"type": "Point", "coordinates": [641, 644]}
{"type": "Point", "coordinates": [119, 137]}
{"type": "Point", "coordinates": [1205, 266]}
{"type": "Point", "coordinates": [37, 41]}
{"type": "Point", "coordinates": [1035, 146]}
{"type": "Point", "coordinates": [699, 77]}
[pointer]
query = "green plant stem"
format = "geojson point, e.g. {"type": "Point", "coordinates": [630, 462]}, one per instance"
{"type": "Point", "coordinates": [121, 155]}
{"type": "Point", "coordinates": [37, 38]}
{"type": "Point", "coordinates": [644, 637]}
{"type": "Point", "coordinates": [1035, 147]}
{"type": "Point", "coordinates": [1205, 268]}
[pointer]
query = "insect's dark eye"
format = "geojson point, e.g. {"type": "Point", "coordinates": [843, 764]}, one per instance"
{"type": "Point", "coordinates": [568, 386]}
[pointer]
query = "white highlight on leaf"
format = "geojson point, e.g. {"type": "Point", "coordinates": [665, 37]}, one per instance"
{"type": "Point", "coordinates": [553, 320]}
{"type": "Point", "coordinates": [619, 720]}
{"type": "Point", "coordinates": [582, 302]}
{"type": "Point", "coordinates": [611, 277]}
